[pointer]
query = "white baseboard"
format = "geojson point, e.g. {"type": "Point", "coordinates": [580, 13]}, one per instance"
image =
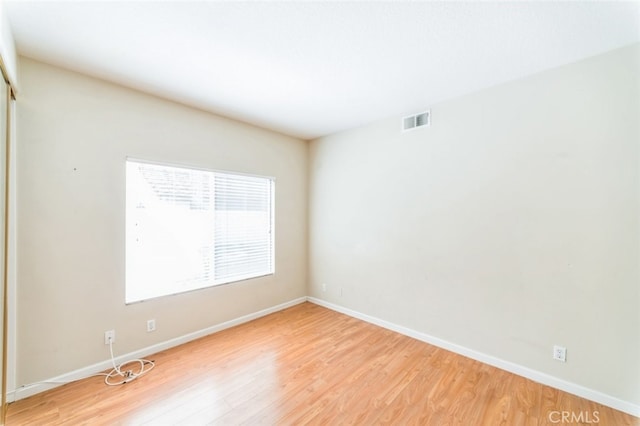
{"type": "Point", "coordinates": [546, 379]}
{"type": "Point", "coordinates": [511, 367]}
{"type": "Point", "coordinates": [34, 388]}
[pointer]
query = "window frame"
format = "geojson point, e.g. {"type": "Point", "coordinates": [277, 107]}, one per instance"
{"type": "Point", "coordinates": [211, 282]}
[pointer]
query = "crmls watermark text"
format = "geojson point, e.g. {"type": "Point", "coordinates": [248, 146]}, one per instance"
{"type": "Point", "coordinates": [582, 417]}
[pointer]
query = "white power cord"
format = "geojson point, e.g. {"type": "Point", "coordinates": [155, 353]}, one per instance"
{"type": "Point", "coordinates": [118, 370]}
{"type": "Point", "coordinates": [126, 375]}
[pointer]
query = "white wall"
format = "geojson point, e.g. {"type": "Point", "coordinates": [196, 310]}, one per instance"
{"type": "Point", "coordinates": [508, 226]}
{"type": "Point", "coordinates": [74, 134]}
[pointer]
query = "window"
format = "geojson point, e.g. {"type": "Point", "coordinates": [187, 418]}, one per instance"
{"type": "Point", "coordinates": [188, 229]}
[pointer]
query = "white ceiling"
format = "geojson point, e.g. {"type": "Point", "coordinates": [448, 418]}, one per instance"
{"type": "Point", "coordinates": [313, 68]}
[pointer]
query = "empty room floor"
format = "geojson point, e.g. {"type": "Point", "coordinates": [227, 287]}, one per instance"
{"type": "Point", "coordinates": [310, 365]}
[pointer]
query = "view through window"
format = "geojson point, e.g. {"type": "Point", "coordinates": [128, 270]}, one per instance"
{"type": "Point", "coordinates": [188, 229]}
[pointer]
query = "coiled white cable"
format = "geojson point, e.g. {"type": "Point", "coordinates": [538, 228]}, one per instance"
{"type": "Point", "coordinates": [126, 375]}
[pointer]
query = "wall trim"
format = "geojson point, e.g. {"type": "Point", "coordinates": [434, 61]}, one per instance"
{"type": "Point", "coordinates": [34, 388]}
{"type": "Point", "coordinates": [536, 376]}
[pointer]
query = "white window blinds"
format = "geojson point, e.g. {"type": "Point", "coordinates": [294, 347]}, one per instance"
{"type": "Point", "coordinates": [189, 229]}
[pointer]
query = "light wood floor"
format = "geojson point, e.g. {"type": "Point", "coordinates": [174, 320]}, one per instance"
{"type": "Point", "coordinates": [310, 365]}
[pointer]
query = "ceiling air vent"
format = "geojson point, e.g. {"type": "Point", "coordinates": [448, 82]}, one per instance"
{"type": "Point", "coordinates": [415, 121]}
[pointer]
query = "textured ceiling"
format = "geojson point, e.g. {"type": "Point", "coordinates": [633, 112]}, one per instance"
{"type": "Point", "coordinates": [313, 68]}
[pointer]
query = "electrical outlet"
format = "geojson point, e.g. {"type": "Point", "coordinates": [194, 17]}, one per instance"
{"type": "Point", "coordinates": [324, 287]}
{"type": "Point", "coordinates": [151, 325]}
{"type": "Point", "coordinates": [560, 353]}
{"type": "Point", "coordinates": [109, 336]}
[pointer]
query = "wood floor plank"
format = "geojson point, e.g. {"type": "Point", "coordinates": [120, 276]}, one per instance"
{"type": "Point", "coordinates": [310, 365]}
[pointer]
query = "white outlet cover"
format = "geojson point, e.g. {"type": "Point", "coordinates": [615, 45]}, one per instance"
{"type": "Point", "coordinates": [560, 353]}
